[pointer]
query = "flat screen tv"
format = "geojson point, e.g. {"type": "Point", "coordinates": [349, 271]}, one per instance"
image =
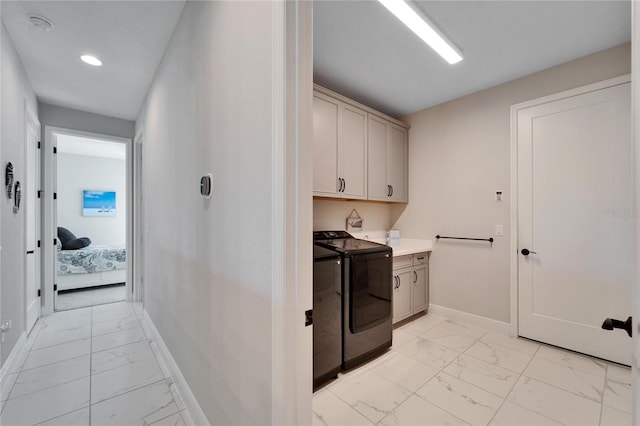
{"type": "Point", "coordinates": [98, 203]}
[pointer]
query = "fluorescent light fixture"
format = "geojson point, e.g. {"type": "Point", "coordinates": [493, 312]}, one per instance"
{"type": "Point", "coordinates": [413, 18]}
{"type": "Point", "coordinates": [91, 60]}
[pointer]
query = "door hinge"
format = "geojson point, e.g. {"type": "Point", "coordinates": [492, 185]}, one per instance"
{"type": "Point", "coordinates": [55, 195]}
{"type": "Point", "coordinates": [55, 150]}
{"type": "Point", "coordinates": [38, 292]}
{"type": "Point", "coordinates": [308, 318]}
{"type": "Point", "coordinates": [55, 241]}
{"type": "Point", "coordinates": [38, 243]}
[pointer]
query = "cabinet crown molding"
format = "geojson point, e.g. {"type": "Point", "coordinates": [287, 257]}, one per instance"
{"type": "Point", "coordinates": [342, 98]}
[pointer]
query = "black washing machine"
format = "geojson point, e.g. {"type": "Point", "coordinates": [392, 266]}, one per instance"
{"type": "Point", "coordinates": [366, 295]}
{"type": "Point", "coordinates": [327, 315]}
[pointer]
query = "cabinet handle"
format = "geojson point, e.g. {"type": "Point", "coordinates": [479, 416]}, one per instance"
{"type": "Point", "coordinates": [344, 185]}
{"type": "Point", "coordinates": [395, 282]}
{"type": "Point", "coordinates": [399, 282]}
{"type": "Point", "coordinates": [391, 195]}
{"type": "Point", "coordinates": [421, 258]}
{"type": "Point", "coordinates": [415, 277]}
{"type": "Point", "coordinates": [388, 190]}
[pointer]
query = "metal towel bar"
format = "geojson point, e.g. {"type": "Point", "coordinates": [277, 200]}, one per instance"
{"type": "Point", "coordinates": [490, 240]}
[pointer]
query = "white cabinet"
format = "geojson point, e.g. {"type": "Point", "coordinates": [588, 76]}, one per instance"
{"type": "Point", "coordinates": [339, 149]}
{"type": "Point", "coordinates": [388, 161]}
{"type": "Point", "coordinates": [410, 285]}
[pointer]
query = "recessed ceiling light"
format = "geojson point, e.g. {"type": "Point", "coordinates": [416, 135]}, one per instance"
{"type": "Point", "coordinates": [417, 22]}
{"type": "Point", "coordinates": [91, 60]}
{"type": "Point", "coordinates": [41, 23]}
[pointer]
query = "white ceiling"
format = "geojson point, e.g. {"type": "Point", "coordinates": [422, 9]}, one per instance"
{"type": "Point", "coordinates": [364, 52]}
{"type": "Point", "coordinates": [128, 36]}
{"type": "Point", "coordinates": [360, 49]}
{"type": "Point", "coordinates": [90, 147]}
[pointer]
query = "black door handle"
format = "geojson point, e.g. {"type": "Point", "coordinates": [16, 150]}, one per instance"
{"type": "Point", "coordinates": [610, 324]}
{"type": "Point", "coordinates": [526, 252]}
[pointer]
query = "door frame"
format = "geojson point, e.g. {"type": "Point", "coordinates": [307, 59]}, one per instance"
{"type": "Point", "coordinates": [50, 211]}
{"type": "Point", "coordinates": [138, 237]}
{"type": "Point", "coordinates": [31, 117]}
{"type": "Point", "coordinates": [515, 109]}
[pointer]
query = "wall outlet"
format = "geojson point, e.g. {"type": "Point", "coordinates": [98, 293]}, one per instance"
{"type": "Point", "coordinates": [499, 230]}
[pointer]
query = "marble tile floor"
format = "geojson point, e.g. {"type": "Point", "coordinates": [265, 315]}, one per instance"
{"type": "Point", "coordinates": [441, 372]}
{"type": "Point", "coordinates": [90, 296]}
{"type": "Point", "coordinates": [91, 366]}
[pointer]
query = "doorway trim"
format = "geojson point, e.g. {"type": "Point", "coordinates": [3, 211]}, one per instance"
{"type": "Point", "coordinates": [31, 118]}
{"type": "Point", "coordinates": [137, 217]}
{"type": "Point", "coordinates": [49, 208]}
{"type": "Point", "coordinates": [513, 257]}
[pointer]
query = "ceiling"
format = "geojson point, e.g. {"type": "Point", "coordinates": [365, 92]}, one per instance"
{"type": "Point", "coordinates": [129, 37]}
{"type": "Point", "coordinates": [78, 145]}
{"type": "Point", "coordinates": [367, 54]}
{"type": "Point", "coordinates": [360, 49]}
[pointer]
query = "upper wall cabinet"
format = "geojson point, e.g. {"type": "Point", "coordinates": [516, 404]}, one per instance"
{"type": "Point", "coordinates": [388, 163]}
{"type": "Point", "coordinates": [339, 149]}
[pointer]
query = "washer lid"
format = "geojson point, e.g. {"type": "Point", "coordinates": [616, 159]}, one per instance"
{"type": "Point", "coordinates": [321, 253]}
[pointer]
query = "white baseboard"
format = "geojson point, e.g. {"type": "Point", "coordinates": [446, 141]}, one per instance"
{"type": "Point", "coordinates": [484, 322]}
{"type": "Point", "coordinates": [197, 415]}
{"type": "Point", "coordinates": [9, 366]}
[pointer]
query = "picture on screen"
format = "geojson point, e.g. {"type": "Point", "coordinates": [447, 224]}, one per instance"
{"type": "Point", "coordinates": [98, 203]}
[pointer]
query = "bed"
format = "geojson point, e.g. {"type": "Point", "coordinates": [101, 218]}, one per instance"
{"type": "Point", "coordinates": [91, 266]}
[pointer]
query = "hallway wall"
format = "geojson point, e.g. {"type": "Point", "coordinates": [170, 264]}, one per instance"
{"type": "Point", "coordinates": [16, 90]}
{"type": "Point", "coordinates": [209, 265]}
{"type": "Point", "coordinates": [57, 116]}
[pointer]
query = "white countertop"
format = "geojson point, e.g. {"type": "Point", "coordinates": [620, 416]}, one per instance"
{"type": "Point", "coordinates": [400, 246]}
{"type": "Point", "coordinates": [403, 246]}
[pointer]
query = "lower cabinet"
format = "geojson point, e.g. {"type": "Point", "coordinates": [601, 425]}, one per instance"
{"type": "Point", "coordinates": [410, 285]}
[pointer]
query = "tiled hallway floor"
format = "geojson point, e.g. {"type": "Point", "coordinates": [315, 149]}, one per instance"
{"type": "Point", "coordinates": [91, 296]}
{"type": "Point", "coordinates": [441, 372]}
{"type": "Point", "coordinates": [91, 366]}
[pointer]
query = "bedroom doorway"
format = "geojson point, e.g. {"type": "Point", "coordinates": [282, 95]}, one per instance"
{"type": "Point", "coordinates": [90, 219]}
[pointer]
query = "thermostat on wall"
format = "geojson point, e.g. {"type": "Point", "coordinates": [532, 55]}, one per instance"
{"type": "Point", "coordinates": [205, 185]}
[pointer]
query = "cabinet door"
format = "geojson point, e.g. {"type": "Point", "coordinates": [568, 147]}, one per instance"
{"type": "Point", "coordinates": [402, 295]}
{"type": "Point", "coordinates": [353, 151]}
{"type": "Point", "coordinates": [377, 186]}
{"type": "Point", "coordinates": [325, 146]}
{"type": "Point", "coordinates": [419, 282]}
{"type": "Point", "coordinates": [397, 167]}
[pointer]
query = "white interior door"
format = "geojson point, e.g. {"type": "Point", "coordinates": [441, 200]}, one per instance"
{"type": "Point", "coordinates": [575, 214]}
{"type": "Point", "coordinates": [32, 219]}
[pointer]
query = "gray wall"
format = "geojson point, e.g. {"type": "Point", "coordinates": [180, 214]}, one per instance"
{"type": "Point", "coordinates": [208, 262]}
{"type": "Point", "coordinates": [458, 157]}
{"type": "Point", "coordinates": [16, 89]}
{"type": "Point", "coordinates": [51, 115]}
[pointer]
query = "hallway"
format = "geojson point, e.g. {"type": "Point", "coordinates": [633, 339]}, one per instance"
{"type": "Point", "coordinates": [91, 366]}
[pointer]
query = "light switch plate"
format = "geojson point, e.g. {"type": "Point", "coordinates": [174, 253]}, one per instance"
{"type": "Point", "coordinates": [499, 230]}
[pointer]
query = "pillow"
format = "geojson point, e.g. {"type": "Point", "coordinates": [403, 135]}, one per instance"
{"type": "Point", "coordinates": [65, 235]}
{"type": "Point", "coordinates": [76, 244]}
{"type": "Point", "coordinates": [69, 241]}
